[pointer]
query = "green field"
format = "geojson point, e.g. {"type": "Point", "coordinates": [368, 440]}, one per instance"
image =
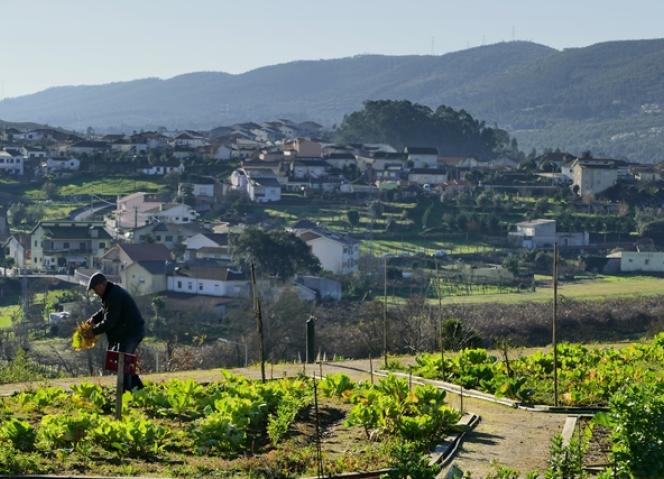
{"type": "Point", "coordinates": [107, 186]}
{"type": "Point", "coordinates": [6, 313]}
{"type": "Point", "coordinates": [426, 246]}
{"type": "Point", "coordinates": [600, 288]}
{"type": "Point", "coordinates": [59, 210]}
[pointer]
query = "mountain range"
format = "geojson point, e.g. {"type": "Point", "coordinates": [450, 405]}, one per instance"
{"type": "Point", "coordinates": [607, 97]}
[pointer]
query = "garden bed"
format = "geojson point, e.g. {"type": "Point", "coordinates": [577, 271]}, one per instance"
{"type": "Point", "coordinates": [231, 428]}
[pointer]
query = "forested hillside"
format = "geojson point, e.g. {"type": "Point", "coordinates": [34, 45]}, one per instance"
{"type": "Point", "coordinates": [607, 97]}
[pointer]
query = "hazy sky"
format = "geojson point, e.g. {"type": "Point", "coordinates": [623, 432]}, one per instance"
{"type": "Point", "coordinates": [60, 42]}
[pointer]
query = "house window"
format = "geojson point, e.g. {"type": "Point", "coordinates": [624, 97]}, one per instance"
{"type": "Point", "coordinates": [190, 285]}
{"type": "Point", "coordinates": [158, 237]}
{"type": "Point", "coordinates": [65, 245]}
{"type": "Point", "coordinates": [200, 286]}
{"type": "Point", "coordinates": [102, 244]}
{"type": "Point", "coordinates": [36, 243]}
{"type": "Point", "coordinates": [647, 262]}
{"type": "Point", "coordinates": [82, 244]}
{"type": "Point", "coordinates": [179, 284]}
{"type": "Point", "coordinates": [169, 238]}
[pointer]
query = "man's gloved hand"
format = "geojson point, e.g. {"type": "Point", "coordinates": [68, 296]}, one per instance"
{"type": "Point", "coordinates": [87, 332]}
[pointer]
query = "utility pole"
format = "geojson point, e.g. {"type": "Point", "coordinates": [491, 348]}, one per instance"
{"type": "Point", "coordinates": [556, 266]}
{"type": "Point", "coordinates": [385, 310]}
{"type": "Point", "coordinates": [259, 321]}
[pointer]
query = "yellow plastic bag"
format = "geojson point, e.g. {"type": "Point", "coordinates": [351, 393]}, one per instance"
{"type": "Point", "coordinates": [79, 339]}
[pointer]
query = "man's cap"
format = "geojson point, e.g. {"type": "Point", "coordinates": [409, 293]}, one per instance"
{"type": "Point", "coordinates": [96, 279]}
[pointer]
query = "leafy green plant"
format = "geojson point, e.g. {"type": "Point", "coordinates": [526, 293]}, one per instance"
{"type": "Point", "coordinates": [335, 385]}
{"type": "Point", "coordinates": [42, 398]}
{"type": "Point", "coordinates": [21, 434]}
{"type": "Point", "coordinates": [636, 416]}
{"type": "Point", "coordinates": [90, 396]}
{"type": "Point", "coordinates": [64, 430]}
{"type": "Point", "coordinates": [132, 435]}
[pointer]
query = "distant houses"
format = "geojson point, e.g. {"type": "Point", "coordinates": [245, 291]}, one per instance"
{"type": "Point", "coordinates": [139, 209]}
{"type": "Point", "coordinates": [260, 184]}
{"type": "Point", "coordinates": [541, 233]}
{"type": "Point", "coordinates": [67, 244]}
{"type": "Point", "coordinates": [593, 176]}
{"type": "Point", "coordinates": [337, 253]}
{"type": "Point", "coordinates": [141, 268]}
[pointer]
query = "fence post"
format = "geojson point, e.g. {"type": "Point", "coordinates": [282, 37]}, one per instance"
{"type": "Point", "coordinates": [371, 369]}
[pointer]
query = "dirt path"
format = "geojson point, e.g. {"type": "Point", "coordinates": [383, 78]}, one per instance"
{"type": "Point", "coordinates": [512, 437]}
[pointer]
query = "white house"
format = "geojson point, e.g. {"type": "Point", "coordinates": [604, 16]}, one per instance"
{"type": "Point", "coordinates": [303, 168]}
{"type": "Point", "coordinates": [593, 176]}
{"type": "Point", "coordinates": [89, 147]}
{"type": "Point", "coordinates": [54, 165]}
{"type": "Point", "coordinates": [33, 152]}
{"type": "Point", "coordinates": [17, 247]}
{"type": "Point", "coordinates": [208, 278]}
{"type": "Point", "coordinates": [11, 162]}
{"type": "Point", "coordinates": [260, 184]}
{"type": "Point", "coordinates": [168, 234]}
{"type": "Point", "coordinates": [138, 209]}
{"type": "Point", "coordinates": [542, 233]}
{"type": "Point", "coordinates": [201, 187]}
{"type": "Point", "coordinates": [148, 140]}
{"type": "Point", "coordinates": [222, 153]}
{"type": "Point", "coordinates": [538, 233]}
{"type": "Point", "coordinates": [340, 159]}
{"type": "Point", "coordinates": [162, 170]}
{"type": "Point", "coordinates": [190, 139]}
{"type": "Point", "coordinates": [336, 253]}
{"type": "Point", "coordinates": [207, 245]}
{"type": "Point", "coordinates": [421, 157]}
{"type": "Point", "coordinates": [642, 262]}
{"type": "Point", "coordinates": [177, 213]}
{"type": "Point", "coordinates": [427, 176]}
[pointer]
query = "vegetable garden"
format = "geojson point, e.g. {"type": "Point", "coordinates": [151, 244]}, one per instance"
{"type": "Point", "coordinates": [587, 376]}
{"type": "Point", "coordinates": [231, 428]}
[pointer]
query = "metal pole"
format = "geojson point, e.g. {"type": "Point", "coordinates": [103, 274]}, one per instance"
{"type": "Point", "coordinates": [246, 351]}
{"type": "Point", "coordinates": [554, 323]}
{"type": "Point", "coordinates": [385, 311]}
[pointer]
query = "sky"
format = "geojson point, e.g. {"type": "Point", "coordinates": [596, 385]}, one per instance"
{"type": "Point", "coordinates": [46, 43]}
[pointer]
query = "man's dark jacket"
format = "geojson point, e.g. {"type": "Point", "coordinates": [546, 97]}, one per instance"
{"type": "Point", "coordinates": [119, 316]}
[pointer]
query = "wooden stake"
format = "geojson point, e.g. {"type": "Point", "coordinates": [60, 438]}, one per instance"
{"type": "Point", "coordinates": [385, 311]}
{"type": "Point", "coordinates": [554, 331]}
{"type": "Point", "coordinates": [259, 322]}
{"type": "Point", "coordinates": [371, 369]}
{"type": "Point", "coordinates": [119, 386]}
